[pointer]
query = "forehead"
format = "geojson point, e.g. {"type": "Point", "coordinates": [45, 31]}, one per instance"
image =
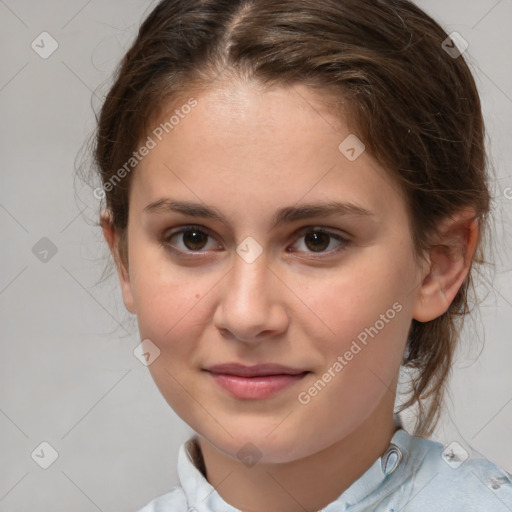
{"type": "Point", "coordinates": [247, 144]}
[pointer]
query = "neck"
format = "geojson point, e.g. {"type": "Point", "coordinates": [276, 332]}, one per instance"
{"type": "Point", "coordinates": [306, 484]}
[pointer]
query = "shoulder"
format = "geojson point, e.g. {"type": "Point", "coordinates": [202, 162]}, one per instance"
{"type": "Point", "coordinates": [173, 501]}
{"type": "Point", "coordinates": [445, 478]}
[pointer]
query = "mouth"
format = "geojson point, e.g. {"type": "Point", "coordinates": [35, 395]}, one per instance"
{"type": "Point", "coordinates": [254, 382]}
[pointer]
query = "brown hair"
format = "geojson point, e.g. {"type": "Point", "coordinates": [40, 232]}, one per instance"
{"type": "Point", "coordinates": [415, 106]}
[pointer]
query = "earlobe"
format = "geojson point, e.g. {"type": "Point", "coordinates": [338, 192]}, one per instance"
{"type": "Point", "coordinates": [122, 272]}
{"type": "Point", "coordinates": [450, 262]}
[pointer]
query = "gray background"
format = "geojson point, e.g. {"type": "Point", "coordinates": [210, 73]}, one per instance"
{"type": "Point", "coordinates": [68, 373]}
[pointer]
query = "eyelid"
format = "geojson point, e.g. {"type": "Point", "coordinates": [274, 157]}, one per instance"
{"type": "Point", "coordinates": [186, 227]}
{"type": "Point", "coordinates": [322, 229]}
{"type": "Point", "coordinates": [343, 238]}
{"type": "Point", "coordinates": [165, 240]}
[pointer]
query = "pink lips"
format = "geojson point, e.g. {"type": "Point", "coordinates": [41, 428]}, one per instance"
{"type": "Point", "coordinates": [253, 382]}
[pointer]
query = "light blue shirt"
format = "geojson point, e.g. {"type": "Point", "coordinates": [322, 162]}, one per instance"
{"type": "Point", "coordinates": [414, 475]}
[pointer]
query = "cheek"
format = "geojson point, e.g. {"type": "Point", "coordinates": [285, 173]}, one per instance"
{"type": "Point", "coordinates": [171, 314]}
{"type": "Point", "coordinates": [164, 294]}
{"type": "Point", "coordinates": [367, 308]}
{"type": "Point", "coordinates": [361, 294]}
{"type": "Point", "coordinates": [173, 311]}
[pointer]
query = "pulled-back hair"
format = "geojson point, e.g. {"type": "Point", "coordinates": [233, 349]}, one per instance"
{"type": "Point", "coordinates": [382, 63]}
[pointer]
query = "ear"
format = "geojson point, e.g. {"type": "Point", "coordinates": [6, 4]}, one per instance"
{"type": "Point", "coordinates": [122, 272]}
{"type": "Point", "coordinates": [450, 262]}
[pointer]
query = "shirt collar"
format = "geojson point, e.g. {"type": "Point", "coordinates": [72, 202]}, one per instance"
{"type": "Point", "coordinates": [378, 481]}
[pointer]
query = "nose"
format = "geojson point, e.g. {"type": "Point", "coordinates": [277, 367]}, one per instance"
{"type": "Point", "coordinates": [251, 307]}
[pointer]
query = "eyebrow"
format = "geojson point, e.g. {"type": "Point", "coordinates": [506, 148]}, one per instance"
{"type": "Point", "coordinates": [286, 214]}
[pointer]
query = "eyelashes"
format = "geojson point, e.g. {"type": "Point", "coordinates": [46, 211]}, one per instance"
{"type": "Point", "coordinates": [192, 240]}
{"type": "Point", "coordinates": [194, 236]}
{"type": "Point", "coordinates": [316, 239]}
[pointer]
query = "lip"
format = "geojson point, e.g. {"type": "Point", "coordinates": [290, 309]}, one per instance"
{"type": "Point", "coordinates": [255, 382]}
{"type": "Point", "coordinates": [257, 370]}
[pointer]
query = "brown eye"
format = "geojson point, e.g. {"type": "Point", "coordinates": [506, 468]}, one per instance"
{"type": "Point", "coordinates": [190, 239]}
{"type": "Point", "coordinates": [317, 241]}
{"type": "Point", "coordinates": [194, 239]}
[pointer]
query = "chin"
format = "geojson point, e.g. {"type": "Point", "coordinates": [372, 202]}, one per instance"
{"type": "Point", "coordinates": [250, 446]}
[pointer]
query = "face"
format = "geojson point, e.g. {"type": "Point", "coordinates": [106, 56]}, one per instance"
{"type": "Point", "coordinates": [268, 244]}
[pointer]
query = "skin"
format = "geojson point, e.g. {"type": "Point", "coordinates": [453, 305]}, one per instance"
{"type": "Point", "coordinates": [248, 152]}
